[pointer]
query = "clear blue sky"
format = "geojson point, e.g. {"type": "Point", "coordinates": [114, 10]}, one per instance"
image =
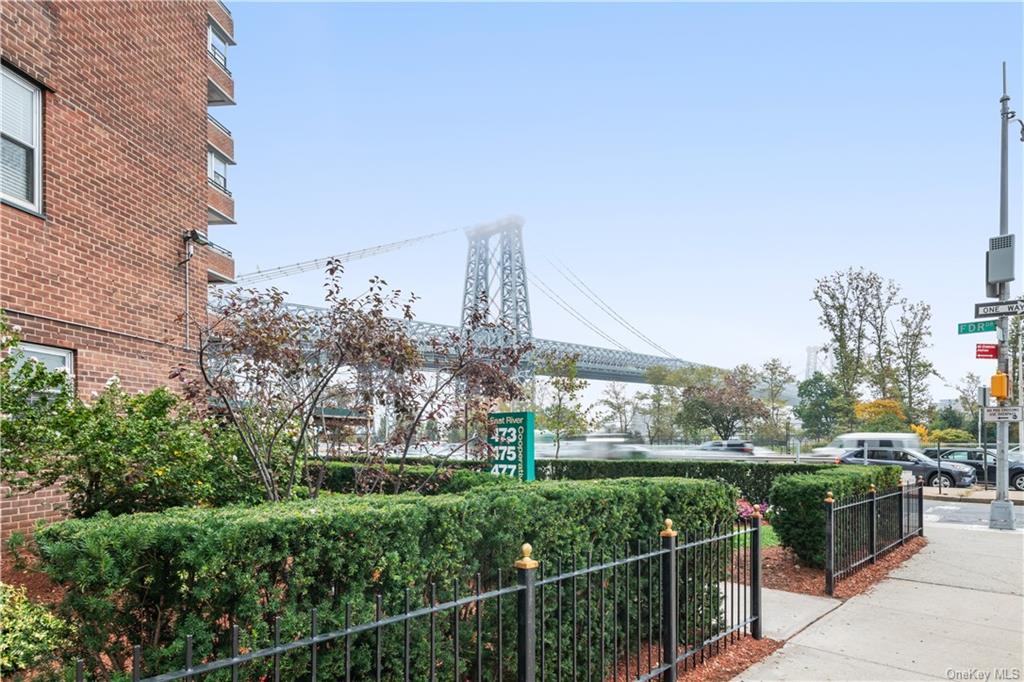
{"type": "Point", "coordinates": [697, 165]}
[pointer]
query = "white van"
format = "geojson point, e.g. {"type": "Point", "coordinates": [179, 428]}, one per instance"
{"type": "Point", "coordinates": [867, 439]}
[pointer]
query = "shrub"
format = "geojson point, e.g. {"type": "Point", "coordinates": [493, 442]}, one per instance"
{"type": "Point", "coordinates": [798, 504]}
{"type": "Point", "coordinates": [30, 635]}
{"type": "Point", "coordinates": [754, 479]}
{"type": "Point", "coordinates": [153, 578]}
{"type": "Point", "coordinates": [343, 477]}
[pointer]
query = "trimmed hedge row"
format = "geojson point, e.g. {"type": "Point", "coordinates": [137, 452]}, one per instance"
{"type": "Point", "coordinates": [798, 503]}
{"type": "Point", "coordinates": [754, 479]}
{"type": "Point", "coordinates": [340, 477]}
{"type": "Point", "coordinates": [154, 578]}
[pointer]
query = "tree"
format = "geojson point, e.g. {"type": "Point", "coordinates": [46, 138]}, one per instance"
{"type": "Point", "coordinates": [845, 300]}
{"type": "Point", "coordinates": [564, 415]}
{"type": "Point", "coordinates": [913, 369]}
{"type": "Point", "coordinates": [774, 376]}
{"type": "Point", "coordinates": [725, 404]}
{"type": "Point", "coordinates": [881, 415]}
{"type": "Point", "coordinates": [658, 409]}
{"type": "Point", "coordinates": [817, 407]}
{"type": "Point", "coordinates": [476, 367]}
{"type": "Point", "coordinates": [621, 407]}
{"type": "Point", "coordinates": [884, 295]}
{"type": "Point", "coordinates": [967, 394]}
{"type": "Point", "coordinates": [270, 368]}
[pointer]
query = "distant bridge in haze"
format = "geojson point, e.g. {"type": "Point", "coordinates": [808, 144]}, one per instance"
{"type": "Point", "coordinates": [497, 286]}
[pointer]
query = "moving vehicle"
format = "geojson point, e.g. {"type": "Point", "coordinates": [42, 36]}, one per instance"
{"type": "Point", "coordinates": [916, 463]}
{"type": "Point", "coordinates": [973, 457]}
{"type": "Point", "coordinates": [730, 445]}
{"type": "Point", "coordinates": [866, 439]}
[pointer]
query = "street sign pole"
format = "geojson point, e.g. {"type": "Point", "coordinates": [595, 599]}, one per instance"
{"type": "Point", "coordinates": [1001, 510]}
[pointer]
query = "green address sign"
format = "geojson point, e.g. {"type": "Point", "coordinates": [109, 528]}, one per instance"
{"type": "Point", "coordinates": [975, 327]}
{"type": "Point", "coordinates": [513, 445]}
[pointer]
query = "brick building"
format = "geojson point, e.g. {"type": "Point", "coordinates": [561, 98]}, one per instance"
{"type": "Point", "coordinates": [112, 172]}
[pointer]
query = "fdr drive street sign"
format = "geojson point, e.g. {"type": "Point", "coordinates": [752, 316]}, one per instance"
{"type": "Point", "coordinates": [513, 445]}
{"type": "Point", "coordinates": [998, 309]}
{"type": "Point", "coordinates": [1007, 413]}
{"type": "Point", "coordinates": [976, 327]}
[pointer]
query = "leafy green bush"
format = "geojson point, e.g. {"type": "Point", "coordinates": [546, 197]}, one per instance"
{"type": "Point", "coordinates": [30, 635]}
{"type": "Point", "coordinates": [342, 477]}
{"type": "Point", "coordinates": [153, 578]}
{"type": "Point", "coordinates": [798, 503]}
{"type": "Point", "coordinates": [754, 479]}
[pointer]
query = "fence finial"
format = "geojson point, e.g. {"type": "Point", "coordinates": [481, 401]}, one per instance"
{"type": "Point", "coordinates": [526, 561]}
{"type": "Point", "coordinates": [871, 489]}
{"type": "Point", "coordinates": [757, 511]}
{"type": "Point", "coordinates": [828, 497]}
{"type": "Point", "coordinates": [667, 531]}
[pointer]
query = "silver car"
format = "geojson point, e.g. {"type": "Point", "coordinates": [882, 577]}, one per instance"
{"type": "Point", "coordinates": [915, 462]}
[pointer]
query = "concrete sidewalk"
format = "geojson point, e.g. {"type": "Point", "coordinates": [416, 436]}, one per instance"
{"type": "Point", "coordinates": [954, 610]}
{"type": "Point", "coordinates": [969, 495]}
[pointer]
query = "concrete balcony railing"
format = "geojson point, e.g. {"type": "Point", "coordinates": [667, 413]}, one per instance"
{"type": "Point", "coordinates": [220, 138]}
{"type": "Point", "coordinates": [220, 206]}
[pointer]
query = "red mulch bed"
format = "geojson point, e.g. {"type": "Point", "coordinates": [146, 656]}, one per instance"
{"type": "Point", "coordinates": [37, 585]}
{"type": "Point", "coordinates": [782, 570]}
{"type": "Point", "coordinates": [724, 664]}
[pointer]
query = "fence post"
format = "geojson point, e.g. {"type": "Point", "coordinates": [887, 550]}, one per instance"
{"type": "Point", "coordinates": [873, 529]}
{"type": "Point", "coordinates": [920, 506]}
{"type": "Point", "coordinates": [669, 602]}
{"type": "Point", "coordinates": [903, 513]}
{"type": "Point", "coordinates": [526, 643]}
{"type": "Point", "coordinates": [755, 574]}
{"type": "Point", "coordinates": [830, 559]}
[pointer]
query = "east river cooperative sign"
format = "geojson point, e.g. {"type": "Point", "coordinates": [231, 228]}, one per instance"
{"type": "Point", "coordinates": [513, 445]}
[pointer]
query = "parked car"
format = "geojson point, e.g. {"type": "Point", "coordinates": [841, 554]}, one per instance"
{"type": "Point", "coordinates": [728, 446]}
{"type": "Point", "coordinates": [916, 463]}
{"type": "Point", "coordinates": [973, 457]}
{"type": "Point", "coordinates": [844, 443]}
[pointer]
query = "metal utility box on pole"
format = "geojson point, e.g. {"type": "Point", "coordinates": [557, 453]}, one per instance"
{"type": "Point", "coordinates": [999, 271]}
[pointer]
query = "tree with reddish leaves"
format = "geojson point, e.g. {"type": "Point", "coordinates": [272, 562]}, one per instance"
{"type": "Point", "coordinates": [724, 402]}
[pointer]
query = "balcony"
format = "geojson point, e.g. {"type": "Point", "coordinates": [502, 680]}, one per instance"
{"type": "Point", "coordinates": [219, 138]}
{"type": "Point", "coordinates": [220, 86]}
{"type": "Point", "coordinates": [221, 15]}
{"type": "Point", "coordinates": [220, 265]}
{"type": "Point", "coordinates": [220, 206]}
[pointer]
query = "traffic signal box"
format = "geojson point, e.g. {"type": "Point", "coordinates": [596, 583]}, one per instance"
{"type": "Point", "coordinates": [1000, 386]}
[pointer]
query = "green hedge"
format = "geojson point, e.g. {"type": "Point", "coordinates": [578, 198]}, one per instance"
{"type": "Point", "coordinates": [340, 477]}
{"type": "Point", "coordinates": [754, 479]}
{"type": "Point", "coordinates": [153, 578]}
{"type": "Point", "coordinates": [797, 504]}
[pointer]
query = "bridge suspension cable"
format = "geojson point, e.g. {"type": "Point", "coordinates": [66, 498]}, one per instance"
{"type": "Point", "coordinates": [594, 298]}
{"type": "Point", "coordinates": [567, 307]}
{"type": "Point", "coordinates": [321, 263]}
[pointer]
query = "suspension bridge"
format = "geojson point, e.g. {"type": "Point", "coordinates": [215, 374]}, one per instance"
{"type": "Point", "coordinates": [497, 288]}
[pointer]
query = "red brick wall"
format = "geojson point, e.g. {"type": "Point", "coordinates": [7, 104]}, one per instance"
{"type": "Point", "coordinates": [124, 176]}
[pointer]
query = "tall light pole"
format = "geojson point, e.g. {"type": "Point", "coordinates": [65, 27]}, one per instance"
{"type": "Point", "coordinates": [1001, 510]}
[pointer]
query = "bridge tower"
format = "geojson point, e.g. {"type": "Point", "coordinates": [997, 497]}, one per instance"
{"type": "Point", "coordinates": [496, 277]}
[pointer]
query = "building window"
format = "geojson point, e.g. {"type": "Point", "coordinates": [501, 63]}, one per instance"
{"type": "Point", "coordinates": [22, 145]}
{"type": "Point", "coordinates": [52, 358]}
{"type": "Point", "coordinates": [217, 44]}
{"type": "Point", "coordinates": [217, 169]}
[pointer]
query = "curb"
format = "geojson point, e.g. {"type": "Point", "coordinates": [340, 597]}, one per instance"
{"type": "Point", "coordinates": [950, 498]}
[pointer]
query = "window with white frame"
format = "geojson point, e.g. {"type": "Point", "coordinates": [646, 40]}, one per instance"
{"type": "Point", "coordinates": [21, 144]}
{"type": "Point", "coordinates": [51, 357]}
{"type": "Point", "coordinates": [217, 44]}
{"type": "Point", "coordinates": [217, 169]}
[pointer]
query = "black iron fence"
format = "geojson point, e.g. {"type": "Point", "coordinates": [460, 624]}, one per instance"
{"type": "Point", "coordinates": [644, 612]}
{"type": "Point", "coordinates": [860, 530]}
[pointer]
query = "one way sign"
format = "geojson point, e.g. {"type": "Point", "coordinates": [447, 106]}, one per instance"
{"type": "Point", "coordinates": [998, 309]}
